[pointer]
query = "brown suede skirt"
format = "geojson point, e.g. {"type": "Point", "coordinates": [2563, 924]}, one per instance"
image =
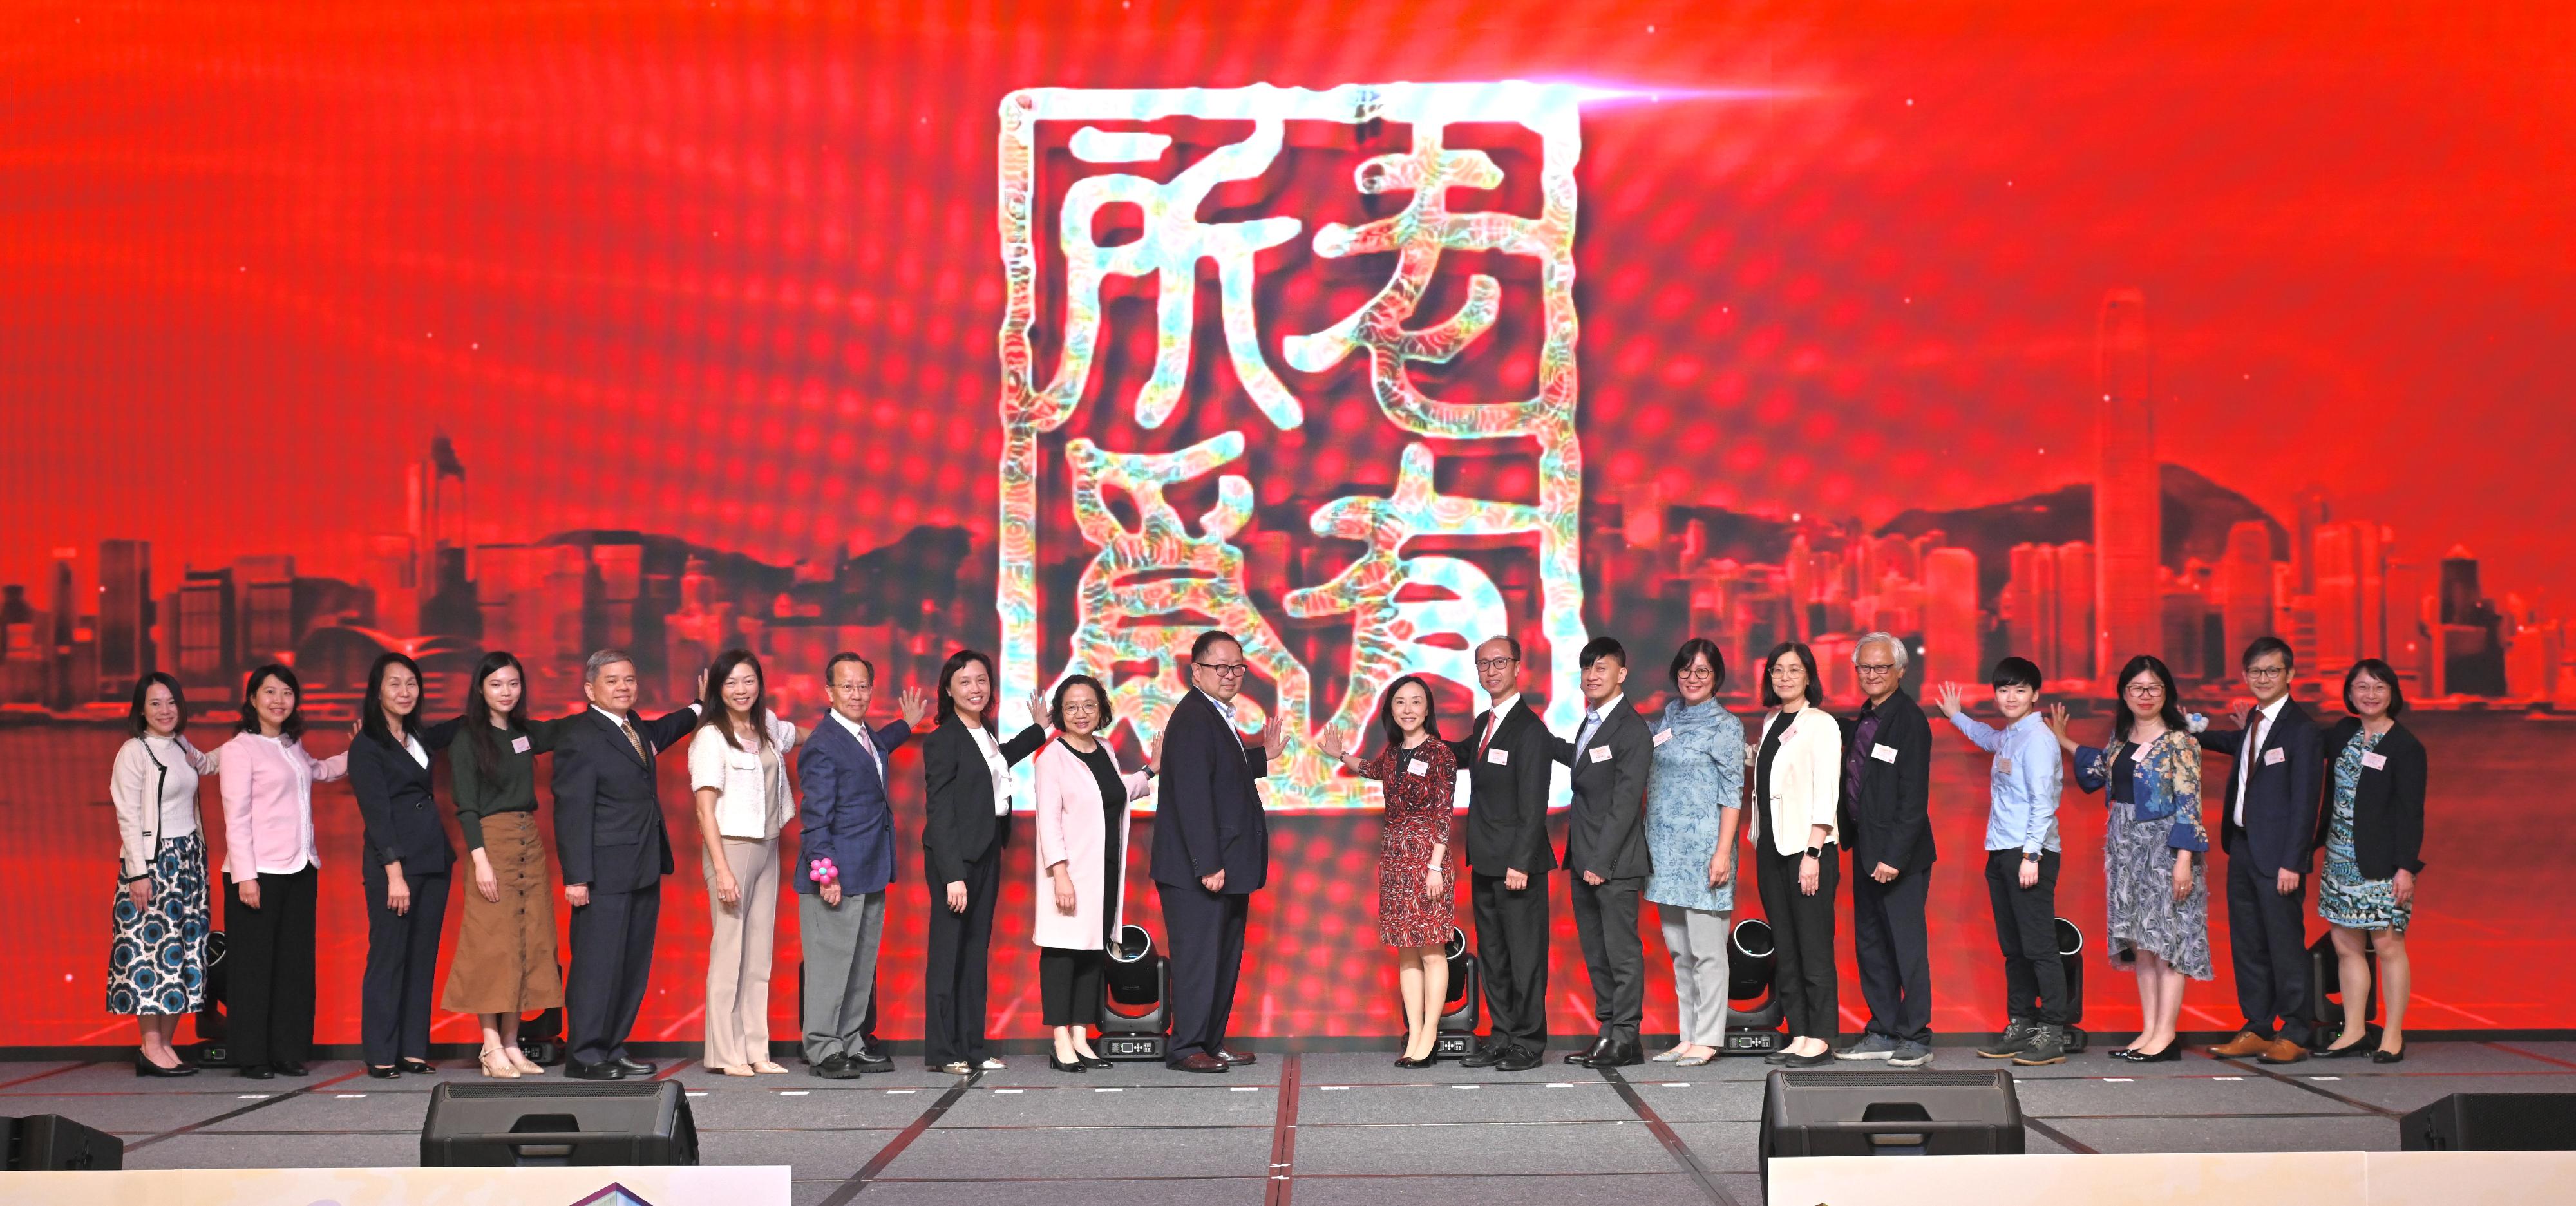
{"type": "Point", "coordinates": [505, 949]}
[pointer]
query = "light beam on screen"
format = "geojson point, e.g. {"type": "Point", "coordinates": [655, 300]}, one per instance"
{"type": "Point", "coordinates": [1144, 591]}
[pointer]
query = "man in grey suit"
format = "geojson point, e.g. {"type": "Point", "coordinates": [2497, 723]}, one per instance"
{"type": "Point", "coordinates": [1605, 852]}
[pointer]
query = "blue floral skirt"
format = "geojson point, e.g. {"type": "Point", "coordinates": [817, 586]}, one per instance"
{"type": "Point", "coordinates": [157, 964]}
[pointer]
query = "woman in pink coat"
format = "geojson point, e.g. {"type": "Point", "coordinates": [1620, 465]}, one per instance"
{"type": "Point", "coordinates": [1082, 847]}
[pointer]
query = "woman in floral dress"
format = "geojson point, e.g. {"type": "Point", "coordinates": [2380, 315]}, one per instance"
{"type": "Point", "coordinates": [1416, 905]}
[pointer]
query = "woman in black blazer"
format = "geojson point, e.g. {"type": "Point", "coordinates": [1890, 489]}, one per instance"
{"type": "Point", "coordinates": [405, 867]}
{"type": "Point", "coordinates": [967, 771]}
{"type": "Point", "coordinates": [2372, 830]}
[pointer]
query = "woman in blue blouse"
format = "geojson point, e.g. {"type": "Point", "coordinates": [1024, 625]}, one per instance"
{"type": "Point", "coordinates": [1694, 802]}
{"type": "Point", "coordinates": [2153, 849]}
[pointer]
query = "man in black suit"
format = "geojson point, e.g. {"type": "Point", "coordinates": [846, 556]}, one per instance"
{"type": "Point", "coordinates": [1886, 820]}
{"type": "Point", "coordinates": [1605, 848]}
{"type": "Point", "coordinates": [1509, 761]}
{"type": "Point", "coordinates": [2269, 834]}
{"type": "Point", "coordinates": [1211, 850]}
{"type": "Point", "coordinates": [609, 834]}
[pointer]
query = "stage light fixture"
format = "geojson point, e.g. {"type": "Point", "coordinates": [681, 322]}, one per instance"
{"type": "Point", "coordinates": [1135, 998]}
{"type": "Point", "coordinates": [1752, 959]}
{"type": "Point", "coordinates": [2070, 955]}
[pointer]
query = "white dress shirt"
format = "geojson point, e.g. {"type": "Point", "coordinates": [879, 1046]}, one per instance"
{"type": "Point", "coordinates": [2248, 753]}
{"type": "Point", "coordinates": [993, 762]}
{"type": "Point", "coordinates": [867, 741]}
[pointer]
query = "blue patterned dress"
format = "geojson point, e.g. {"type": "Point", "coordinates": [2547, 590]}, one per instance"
{"type": "Point", "coordinates": [1699, 769]}
{"type": "Point", "coordinates": [2344, 898]}
{"type": "Point", "coordinates": [156, 960]}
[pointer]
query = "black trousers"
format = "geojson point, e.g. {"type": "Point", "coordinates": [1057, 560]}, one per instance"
{"type": "Point", "coordinates": [1605, 922]}
{"type": "Point", "coordinates": [268, 986]}
{"type": "Point", "coordinates": [612, 961]}
{"type": "Point", "coordinates": [1207, 959]}
{"type": "Point", "coordinates": [1511, 946]}
{"type": "Point", "coordinates": [958, 969]}
{"type": "Point", "coordinates": [402, 967]}
{"type": "Point", "coordinates": [2267, 940]}
{"type": "Point", "coordinates": [1803, 928]}
{"type": "Point", "coordinates": [1069, 987]}
{"type": "Point", "coordinates": [1893, 952]}
{"type": "Point", "coordinates": [2026, 931]}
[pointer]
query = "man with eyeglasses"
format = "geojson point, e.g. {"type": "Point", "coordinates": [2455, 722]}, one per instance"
{"type": "Point", "coordinates": [2269, 834]}
{"type": "Point", "coordinates": [1887, 822]}
{"type": "Point", "coordinates": [1211, 850]}
{"type": "Point", "coordinates": [1509, 767]}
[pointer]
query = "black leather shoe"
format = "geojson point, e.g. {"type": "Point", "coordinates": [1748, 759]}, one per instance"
{"type": "Point", "coordinates": [288, 1067]}
{"type": "Point", "coordinates": [1520, 1059]}
{"type": "Point", "coordinates": [1232, 1056]}
{"type": "Point", "coordinates": [384, 1071]}
{"type": "Point", "coordinates": [1598, 1051]}
{"type": "Point", "coordinates": [580, 1071]}
{"type": "Point", "coordinates": [1485, 1056]}
{"type": "Point", "coordinates": [417, 1067]}
{"type": "Point", "coordinates": [835, 1066]}
{"type": "Point", "coordinates": [2131, 1055]}
{"type": "Point", "coordinates": [1409, 1064]}
{"type": "Point", "coordinates": [634, 1067]}
{"type": "Point", "coordinates": [869, 1059]}
{"type": "Point", "coordinates": [1073, 1065]}
{"type": "Point", "coordinates": [1818, 1060]}
{"type": "Point", "coordinates": [256, 1072]}
{"type": "Point", "coordinates": [1777, 1056]}
{"type": "Point", "coordinates": [1095, 1062]}
{"type": "Point", "coordinates": [1623, 1054]}
{"type": "Point", "coordinates": [1196, 1061]}
{"type": "Point", "coordinates": [145, 1067]}
{"type": "Point", "coordinates": [2383, 1055]}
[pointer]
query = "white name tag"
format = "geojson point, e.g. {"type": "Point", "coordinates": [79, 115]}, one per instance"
{"type": "Point", "coordinates": [2275, 757]}
{"type": "Point", "coordinates": [518, 745]}
{"type": "Point", "coordinates": [1601, 753]}
{"type": "Point", "coordinates": [1499, 756]}
{"type": "Point", "coordinates": [1663, 735]}
{"type": "Point", "coordinates": [2374, 761]}
{"type": "Point", "coordinates": [2003, 765]}
{"type": "Point", "coordinates": [1417, 767]}
{"type": "Point", "coordinates": [1884, 753]}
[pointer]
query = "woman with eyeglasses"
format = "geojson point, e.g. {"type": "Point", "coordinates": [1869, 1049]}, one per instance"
{"type": "Point", "coordinates": [2372, 832]}
{"type": "Point", "coordinates": [2154, 849]}
{"type": "Point", "coordinates": [1696, 798]}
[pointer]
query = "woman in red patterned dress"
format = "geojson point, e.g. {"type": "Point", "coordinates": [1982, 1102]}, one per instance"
{"type": "Point", "coordinates": [1415, 907]}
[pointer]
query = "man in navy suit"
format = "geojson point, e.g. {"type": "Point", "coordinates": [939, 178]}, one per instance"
{"type": "Point", "coordinates": [1211, 850]}
{"type": "Point", "coordinates": [2269, 834]}
{"type": "Point", "coordinates": [609, 834]}
{"type": "Point", "coordinates": [848, 819]}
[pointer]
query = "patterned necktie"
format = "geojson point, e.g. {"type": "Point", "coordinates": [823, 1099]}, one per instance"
{"type": "Point", "coordinates": [633, 740]}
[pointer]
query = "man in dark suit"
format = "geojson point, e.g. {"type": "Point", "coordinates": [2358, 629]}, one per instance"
{"type": "Point", "coordinates": [2269, 834]}
{"type": "Point", "coordinates": [848, 819]}
{"type": "Point", "coordinates": [609, 834]}
{"type": "Point", "coordinates": [1612, 755]}
{"type": "Point", "coordinates": [1509, 761]}
{"type": "Point", "coordinates": [1211, 850]}
{"type": "Point", "coordinates": [1886, 821]}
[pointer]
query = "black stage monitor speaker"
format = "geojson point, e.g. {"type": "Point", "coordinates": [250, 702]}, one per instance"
{"type": "Point", "coordinates": [579, 1123]}
{"type": "Point", "coordinates": [2492, 1122]}
{"type": "Point", "coordinates": [1888, 1114]}
{"type": "Point", "coordinates": [42, 1142]}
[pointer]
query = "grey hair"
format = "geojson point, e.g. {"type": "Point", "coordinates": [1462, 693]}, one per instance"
{"type": "Point", "coordinates": [601, 660]}
{"type": "Point", "coordinates": [1894, 644]}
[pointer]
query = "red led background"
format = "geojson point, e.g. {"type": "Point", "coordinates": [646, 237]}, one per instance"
{"type": "Point", "coordinates": [728, 274]}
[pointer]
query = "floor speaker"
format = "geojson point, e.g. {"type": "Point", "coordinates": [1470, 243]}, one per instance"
{"type": "Point", "coordinates": [1888, 1114]}
{"type": "Point", "coordinates": [574, 1123]}
{"type": "Point", "coordinates": [2492, 1122]}
{"type": "Point", "coordinates": [41, 1142]}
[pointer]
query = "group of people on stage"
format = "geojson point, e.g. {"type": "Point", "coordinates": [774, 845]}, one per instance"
{"type": "Point", "coordinates": [1658, 810]}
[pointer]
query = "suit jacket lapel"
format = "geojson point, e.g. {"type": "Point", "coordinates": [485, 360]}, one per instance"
{"type": "Point", "coordinates": [618, 739]}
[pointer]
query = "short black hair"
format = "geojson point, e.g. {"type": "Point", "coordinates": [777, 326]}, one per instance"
{"type": "Point", "coordinates": [1698, 647]}
{"type": "Point", "coordinates": [2370, 665]}
{"type": "Point", "coordinates": [1509, 641]}
{"type": "Point", "coordinates": [847, 656]}
{"type": "Point", "coordinates": [293, 729]}
{"type": "Point", "coordinates": [1600, 647]}
{"type": "Point", "coordinates": [1807, 658]}
{"type": "Point", "coordinates": [2270, 644]}
{"type": "Point", "coordinates": [2016, 672]}
{"type": "Point", "coordinates": [1209, 640]}
{"type": "Point", "coordinates": [134, 722]}
{"type": "Point", "coordinates": [1055, 707]}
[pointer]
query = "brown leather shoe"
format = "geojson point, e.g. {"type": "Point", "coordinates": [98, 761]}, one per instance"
{"type": "Point", "coordinates": [1232, 1056]}
{"type": "Point", "coordinates": [2282, 1051]}
{"type": "Point", "coordinates": [2244, 1044]}
{"type": "Point", "coordinates": [1196, 1061]}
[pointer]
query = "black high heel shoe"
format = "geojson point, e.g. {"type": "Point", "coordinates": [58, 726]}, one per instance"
{"type": "Point", "coordinates": [145, 1067]}
{"type": "Point", "coordinates": [1061, 1066]}
{"type": "Point", "coordinates": [1094, 1061]}
{"type": "Point", "coordinates": [1423, 1062]}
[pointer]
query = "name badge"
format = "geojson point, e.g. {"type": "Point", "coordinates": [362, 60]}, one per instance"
{"type": "Point", "coordinates": [2275, 756]}
{"type": "Point", "coordinates": [1417, 767]}
{"type": "Point", "coordinates": [1498, 756]}
{"type": "Point", "coordinates": [1884, 753]}
{"type": "Point", "coordinates": [2003, 765]}
{"type": "Point", "coordinates": [2374, 761]}
{"type": "Point", "coordinates": [1601, 753]}
{"type": "Point", "coordinates": [1663, 735]}
{"type": "Point", "coordinates": [518, 745]}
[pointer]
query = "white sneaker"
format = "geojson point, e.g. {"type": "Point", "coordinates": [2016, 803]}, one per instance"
{"type": "Point", "coordinates": [992, 1065]}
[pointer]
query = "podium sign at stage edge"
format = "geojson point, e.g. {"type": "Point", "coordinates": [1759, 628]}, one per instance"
{"type": "Point", "coordinates": [1154, 579]}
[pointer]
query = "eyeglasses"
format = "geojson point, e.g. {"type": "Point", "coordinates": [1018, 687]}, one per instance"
{"type": "Point", "coordinates": [1874, 670]}
{"type": "Point", "coordinates": [1223, 669]}
{"type": "Point", "coordinates": [1498, 663]}
{"type": "Point", "coordinates": [2145, 691]}
{"type": "Point", "coordinates": [2266, 671]}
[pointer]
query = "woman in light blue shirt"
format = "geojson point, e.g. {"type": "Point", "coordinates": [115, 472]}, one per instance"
{"type": "Point", "coordinates": [1693, 803]}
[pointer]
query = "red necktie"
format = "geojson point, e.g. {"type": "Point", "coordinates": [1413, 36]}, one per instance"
{"type": "Point", "coordinates": [1494, 721]}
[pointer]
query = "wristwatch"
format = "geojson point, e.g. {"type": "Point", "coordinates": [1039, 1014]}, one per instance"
{"type": "Point", "coordinates": [2030, 856]}
{"type": "Point", "coordinates": [1815, 852]}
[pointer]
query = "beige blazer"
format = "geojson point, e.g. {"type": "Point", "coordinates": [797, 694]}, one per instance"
{"type": "Point", "coordinates": [1806, 778]}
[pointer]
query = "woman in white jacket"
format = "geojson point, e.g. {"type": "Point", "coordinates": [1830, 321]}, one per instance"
{"type": "Point", "coordinates": [1797, 787]}
{"type": "Point", "coordinates": [1082, 848]}
{"type": "Point", "coordinates": [738, 773]}
{"type": "Point", "coordinates": [157, 963]}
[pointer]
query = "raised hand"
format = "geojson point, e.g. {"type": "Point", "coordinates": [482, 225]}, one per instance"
{"type": "Point", "coordinates": [1038, 706]}
{"type": "Point", "coordinates": [1159, 734]}
{"type": "Point", "coordinates": [1949, 699]}
{"type": "Point", "coordinates": [916, 706]}
{"type": "Point", "coordinates": [1331, 743]}
{"type": "Point", "coordinates": [2057, 724]}
{"type": "Point", "coordinates": [1271, 742]}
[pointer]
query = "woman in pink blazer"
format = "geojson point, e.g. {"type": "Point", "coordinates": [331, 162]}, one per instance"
{"type": "Point", "coordinates": [272, 872]}
{"type": "Point", "coordinates": [1082, 847]}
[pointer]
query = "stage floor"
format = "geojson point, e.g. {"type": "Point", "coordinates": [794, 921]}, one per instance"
{"type": "Point", "coordinates": [1318, 1127]}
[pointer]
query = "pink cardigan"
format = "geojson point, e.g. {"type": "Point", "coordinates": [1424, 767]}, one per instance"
{"type": "Point", "coordinates": [1071, 830]}
{"type": "Point", "coordinates": [268, 804]}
